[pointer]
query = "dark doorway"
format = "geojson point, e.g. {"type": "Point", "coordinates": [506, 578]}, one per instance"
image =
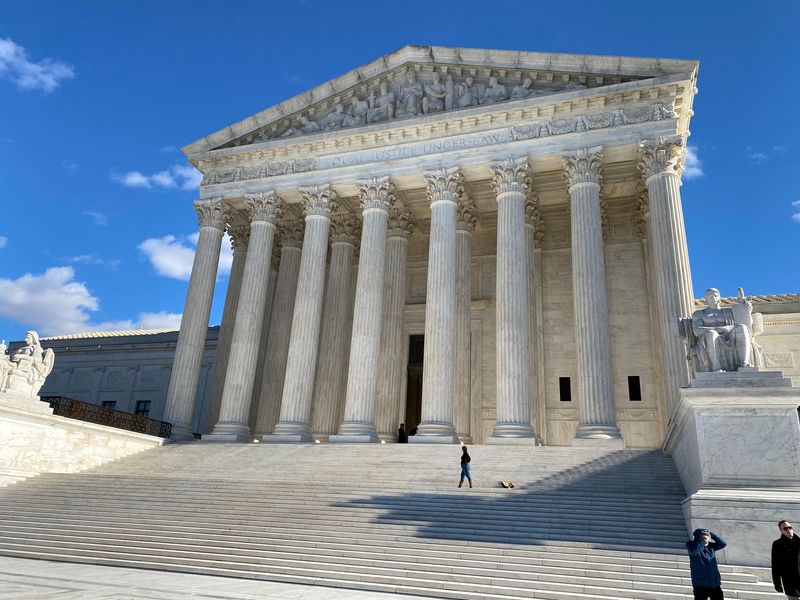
{"type": "Point", "coordinates": [416, 351]}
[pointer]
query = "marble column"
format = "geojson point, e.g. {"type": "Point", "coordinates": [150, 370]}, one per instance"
{"type": "Point", "coordinates": [444, 188]}
{"type": "Point", "coordinates": [277, 349]}
{"type": "Point", "coordinates": [511, 182]}
{"type": "Point", "coordinates": [661, 162]}
{"type": "Point", "coordinates": [391, 365]}
{"type": "Point", "coordinates": [465, 225]}
{"type": "Point", "coordinates": [534, 234]}
{"type": "Point", "coordinates": [358, 426]}
{"type": "Point", "coordinates": [595, 388]}
{"type": "Point", "coordinates": [240, 236]}
{"type": "Point", "coordinates": [301, 363]}
{"type": "Point", "coordinates": [233, 425]}
{"type": "Point", "coordinates": [182, 388]}
{"type": "Point", "coordinates": [334, 341]}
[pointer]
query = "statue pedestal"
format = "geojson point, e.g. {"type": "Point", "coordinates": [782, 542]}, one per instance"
{"type": "Point", "coordinates": [737, 450]}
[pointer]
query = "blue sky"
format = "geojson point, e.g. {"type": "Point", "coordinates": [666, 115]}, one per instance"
{"type": "Point", "coordinates": [97, 97]}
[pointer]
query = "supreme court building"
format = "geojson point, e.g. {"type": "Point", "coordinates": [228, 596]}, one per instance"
{"type": "Point", "coordinates": [487, 244]}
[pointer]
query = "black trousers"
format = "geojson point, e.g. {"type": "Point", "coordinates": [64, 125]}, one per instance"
{"type": "Point", "coordinates": [704, 593]}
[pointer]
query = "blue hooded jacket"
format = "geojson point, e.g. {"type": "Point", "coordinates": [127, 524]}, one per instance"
{"type": "Point", "coordinates": [703, 560]}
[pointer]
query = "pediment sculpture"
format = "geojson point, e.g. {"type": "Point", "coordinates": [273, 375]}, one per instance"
{"type": "Point", "coordinates": [722, 339]}
{"type": "Point", "coordinates": [24, 371]}
{"type": "Point", "coordinates": [411, 97]}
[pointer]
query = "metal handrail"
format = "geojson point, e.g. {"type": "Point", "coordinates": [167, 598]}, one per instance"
{"type": "Point", "coordinates": [101, 415]}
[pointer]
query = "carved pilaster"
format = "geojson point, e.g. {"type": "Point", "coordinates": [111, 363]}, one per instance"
{"type": "Point", "coordinates": [444, 185]}
{"type": "Point", "coordinates": [318, 200]}
{"type": "Point", "coordinates": [662, 155]}
{"type": "Point", "coordinates": [511, 175]}
{"type": "Point", "coordinates": [211, 213]}
{"type": "Point", "coordinates": [376, 192]}
{"type": "Point", "coordinates": [642, 216]}
{"type": "Point", "coordinates": [465, 214]}
{"type": "Point", "coordinates": [533, 218]}
{"type": "Point", "coordinates": [402, 222]}
{"type": "Point", "coordinates": [291, 233]}
{"type": "Point", "coordinates": [264, 206]}
{"type": "Point", "coordinates": [583, 165]}
{"type": "Point", "coordinates": [345, 228]}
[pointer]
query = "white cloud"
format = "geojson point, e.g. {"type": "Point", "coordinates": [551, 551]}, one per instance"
{"type": "Point", "coordinates": [172, 256]}
{"type": "Point", "coordinates": [796, 207]}
{"type": "Point", "coordinates": [53, 303]}
{"type": "Point", "coordinates": [184, 177]}
{"type": "Point", "coordinates": [69, 165]}
{"type": "Point", "coordinates": [756, 157]}
{"type": "Point", "coordinates": [100, 219]}
{"type": "Point", "coordinates": [45, 75]}
{"type": "Point", "coordinates": [94, 259]}
{"type": "Point", "coordinates": [3, 241]}
{"type": "Point", "coordinates": [693, 167]}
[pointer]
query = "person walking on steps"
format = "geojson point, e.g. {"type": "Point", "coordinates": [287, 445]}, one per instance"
{"type": "Point", "coordinates": [465, 460]}
{"type": "Point", "coordinates": [786, 562]}
{"type": "Point", "coordinates": [702, 548]}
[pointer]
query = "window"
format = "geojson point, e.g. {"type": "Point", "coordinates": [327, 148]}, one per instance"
{"type": "Point", "coordinates": [564, 389]}
{"type": "Point", "coordinates": [109, 404]}
{"type": "Point", "coordinates": [634, 389]}
{"type": "Point", "coordinates": [143, 408]}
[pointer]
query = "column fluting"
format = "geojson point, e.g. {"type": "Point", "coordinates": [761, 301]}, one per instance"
{"type": "Point", "coordinates": [511, 182]}
{"type": "Point", "coordinates": [444, 188]}
{"type": "Point", "coordinates": [280, 327]}
{"type": "Point", "coordinates": [183, 381]}
{"type": "Point", "coordinates": [661, 162]}
{"type": "Point", "coordinates": [329, 387]}
{"type": "Point", "coordinates": [358, 425]}
{"type": "Point", "coordinates": [301, 363]}
{"type": "Point", "coordinates": [465, 225]}
{"type": "Point", "coordinates": [595, 388]}
{"type": "Point", "coordinates": [239, 235]}
{"type": "Point", "coordinates": [391, 366]}
{"type": "Point", "coordinates": [533, 241]}
{"type": "Point", "coordinates": [264, 210]}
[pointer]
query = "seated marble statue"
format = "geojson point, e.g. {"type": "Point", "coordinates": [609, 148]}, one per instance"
{"type": "Point", "coordinates": [522, 91]}
{"type": "Point", "coordinates": [27, 368]}
{"type": "Point", "coordinates": [382, 107]}
{"type": "Point", "coordinates": [303, 126]}
{"type": "Point", "coordinates": [356, 114]}
{"type": "Point", "coordinates": [721, 339]}
{"type": "Point", "coordinates": [494, 92]}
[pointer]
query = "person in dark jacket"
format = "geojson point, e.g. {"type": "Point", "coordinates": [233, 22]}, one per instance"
{"type": "Point", "coordinates": [706, 581]}
{"type": "Point", "coordinates": [786, 562]}
{"type": "Point", "coordinates": [465, 460]}
{"type": "Point", "coordinates": [402, 436]}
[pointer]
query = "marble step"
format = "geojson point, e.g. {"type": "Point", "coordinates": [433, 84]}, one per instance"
{"type": "Point", "coordinates": [740, 379]}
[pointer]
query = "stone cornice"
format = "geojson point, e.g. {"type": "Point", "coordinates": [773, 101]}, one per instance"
{"type": "Point", "coordinates": [453, 60]}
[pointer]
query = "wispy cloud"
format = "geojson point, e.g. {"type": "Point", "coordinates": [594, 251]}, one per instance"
{"type": "Point", "coordinates": [755, 156]}
{"type": "Point", "coordinates": [184, 177]}
{"type": "Point", "coordinates": [69, 165]}
{"type": "Point", "coordinates": [3, 241]}
{"type": "Point", "coordinates": [94, 259]}
{"type": "Point", "coordinates": [172, 256]}
{"type": "Point", "coordinates": [780, 149]}
{"type": "Point", "coordinates": [100, 219]}
{"type": "Point", "coordinates": [796, 208]}
{"type": "Point", "coordinates": [45, 75]}
{"type": "Point", "coordinates": [693, 167]}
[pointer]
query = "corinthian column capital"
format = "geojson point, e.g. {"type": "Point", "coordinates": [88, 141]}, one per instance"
{"type": "Point", "coordinates": [239, 234]}
{"type": "Point", "coordinates": [376, 192]}
{"type": "Point", "coordinates": [510, 175]}
{"type": "Point", "coordinates": [533, 218]}
{"type": "Point", "coordinates": [662, 155]}
{"type": "Point", "coordinates": [211, 213]}
{"type": "Point", "coordinates": [345, 228]}
{"type": "Point", "coordinates": [291, 233]}
{"type": "Point", "coordinates": [465, 214]}
{"type": "Point", "coordinates": [583, 165]}
{"type": "Point", "coordinates": [444, 185]}
{"type": "Point", "coordinates": [264, 206]}
{"type": "Point", "coordinates": [402, 222]}
{"type": "Point", "coordinates": [318, 200]}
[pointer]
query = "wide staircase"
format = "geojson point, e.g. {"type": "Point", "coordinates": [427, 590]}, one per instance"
{"type": "Point", "coordinates": [580, 523]}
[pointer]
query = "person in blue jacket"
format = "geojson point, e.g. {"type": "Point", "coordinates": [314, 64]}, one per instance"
{"type": "Point", "coordinates": [702, 548]}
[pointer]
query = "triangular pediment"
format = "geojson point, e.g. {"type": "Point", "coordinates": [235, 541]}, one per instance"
{"type": "Point", "coordinates": [418, 81]}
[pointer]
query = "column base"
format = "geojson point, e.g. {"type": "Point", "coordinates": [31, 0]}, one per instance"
{"type": "Point", "coordinates": [288, 433]}
{"type": "Point", "coordinates": [434, 433]}
{"type": "Point", "coordinates": [354, 438]}
{"type": "Point", "coordinates": [514, 431]}
{"type": "Point", "coordinates": [598, 436]}
{"type": "Point", "coordinates": [513, 441]}
{"type": "Point", "coordinates": [228, 432]}
{"type": "Point", "coordinates": [389, 438]}
{"type": "Point", "coordinates": [181, 433]}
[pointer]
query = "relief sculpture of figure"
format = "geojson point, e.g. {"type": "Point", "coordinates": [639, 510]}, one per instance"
{"type": "Point", "coordinates": [27, 368]}
{"type": "Point", "coordinates": [466, 93]}
{"type": "Point", "coordinates": [303, 126]}
{"type": "Point", "coordinates": [435, 93]}
{"type": "Point", "coordinates": [410, 102]}
{"type": "Point", "coordinates": [721, 339]}
{"type": "Point", "coordinates": [382, 107]}
{"type": "Point", "coordinates": [356, 114]}
{"type": "Point", "coordinates": [494, 92]}
{"type": "Point", "coordinates": [523, 90]}
{"type": "Point", "coordinates": [334, 119]}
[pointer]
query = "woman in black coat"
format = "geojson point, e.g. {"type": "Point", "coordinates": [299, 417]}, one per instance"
{"type": "Point", "coordinates": [786, 561]}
